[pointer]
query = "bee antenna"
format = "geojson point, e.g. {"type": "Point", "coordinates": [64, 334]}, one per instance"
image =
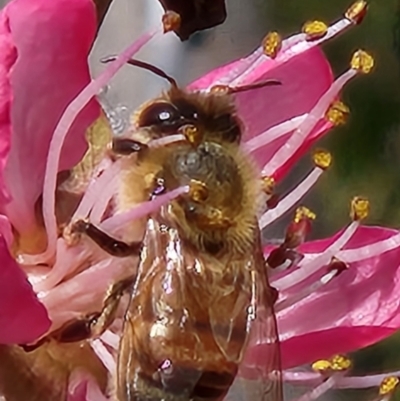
{"type": "Point", "coordinates": [146, 66]}
{"type": "Point", "coordinates": [257, 85]}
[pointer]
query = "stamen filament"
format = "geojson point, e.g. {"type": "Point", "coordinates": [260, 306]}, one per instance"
{"type": "Point", "coordinates": [291, 199]}
{"type": "Point", "coordinates": [370, 250]}
{"type": "Point", "coordinates": [68, 261]}
{"type": "Point", "coordinates": [273, 133]}
{"type": "Point", "coordinates": [143, 209]}
{"type": "Point", "coordinates": [104, 355]}
{"type": "Point", "coordinates": [63, 126]}
{"type": "Point", "coordinates": [111, 339]}
{"type": "Point", "coordinates": [95, 190]}
{"type": "Point", "coordinates": [289, 300]}
{"type": "Point", "coordinates": [100, 206]}
{"type": "Point", "coordinates": [294, 277]}
{"type": "Point", "coordinates": [297, 139]}
{"type": "Point", "coordinates": [320, 389]}
{"type": "Point", "coordinates": [343, 382]}
{"type": "Point", "coordinates": [291, 47]}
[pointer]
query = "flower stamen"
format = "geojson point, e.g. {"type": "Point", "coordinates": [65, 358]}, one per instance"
{"type": "Point", "coordinates": [315, 30]}
{"type": "Point", "coordinates": [273, 133]}
{"type": "Point", "coordinates": [285, 153]}
{"type": "Point", "coordinates": [362, 62]}
{"type": "Point", "coordinates": [291, 199]}
{"type": "Point", "coordinates": [359, 209]}
{"type": "Point", "coordinates": [117, 221]}
{"type": "Point", "coordinates": [388, 385]}
{"type": "Point", "coordinates": [357, 11]}
{"type": "Point", "coordinates": [337, 113]}
{"type": "Point", "coordinates": [290, 298]}
{"type": "Point", "coordinates": [311, 267]}
{"type": "Point", "coordinates": [272, 44]}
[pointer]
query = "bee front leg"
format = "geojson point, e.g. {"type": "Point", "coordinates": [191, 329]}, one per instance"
{"type": "Point", "coordinates": [92, 325]}
{"type": "Point", "coordinates": [109, 244]}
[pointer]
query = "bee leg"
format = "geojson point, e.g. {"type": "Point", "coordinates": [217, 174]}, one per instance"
{"type": "Point", "coordinates": [126, 146]}
{"type": "Point", "coordinates": [92, 325]}
{"type": "Point", "coordinates": [109, 244]}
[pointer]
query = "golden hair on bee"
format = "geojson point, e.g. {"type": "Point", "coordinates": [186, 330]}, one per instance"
{"type": "Point", "coordinates": [220, 210]}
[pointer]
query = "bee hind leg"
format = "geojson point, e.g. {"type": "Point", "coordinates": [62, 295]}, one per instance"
{"type": "Point", "coordinates": [109, 244]}
{"type": "Point", "coordinates": [92, 325]}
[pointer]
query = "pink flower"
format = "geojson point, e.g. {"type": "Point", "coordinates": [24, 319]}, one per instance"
{"type": "Point", "coordinates": [48, 103]}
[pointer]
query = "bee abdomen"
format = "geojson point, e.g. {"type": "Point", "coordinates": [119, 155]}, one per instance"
{"type": "Point", "coordinates": [210, 386]}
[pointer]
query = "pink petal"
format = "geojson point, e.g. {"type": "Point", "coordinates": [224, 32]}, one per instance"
{"type": "Point", "coordinates": [310, 347]}
{"type": "Point", "coordinates": [356, 309]}
{"type": "Point", "coordinates": [22, 317]}
{"type": "Point", "coordinates": [8, 56]}
{"type": "Point", "coordinates": [52, 39]}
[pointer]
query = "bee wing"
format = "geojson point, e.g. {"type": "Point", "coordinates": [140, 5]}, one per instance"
{"type": "Point", "coordinates": [160, 309]}
{"type": "Point", "coordinates": [260, 376]}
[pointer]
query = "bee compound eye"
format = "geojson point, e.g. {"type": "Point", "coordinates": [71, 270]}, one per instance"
{"type": "Point", "coordinates": [160, 114]}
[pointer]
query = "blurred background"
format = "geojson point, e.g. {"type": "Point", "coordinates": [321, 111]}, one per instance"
{"type": "Point", "coordinates": [366, 150]}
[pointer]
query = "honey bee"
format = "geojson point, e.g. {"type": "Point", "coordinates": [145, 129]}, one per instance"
{"type": "Point", "coordinates": [201, 296]}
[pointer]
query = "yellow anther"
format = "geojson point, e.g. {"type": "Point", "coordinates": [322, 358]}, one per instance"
{"type": "Point", "coordinates": [359, 208]}
{"type": "Point", "coordinates": [220, 89]}
{"type": "Point", "coordinates": [191, 133]}
{"type": "Point", "coordinates": [272, 44]}
{"type": "Point", "coordinates": [216, 218]}
{"type": "Point", "coordinates": [315, 29]}
{"type": "Point", "coordinates": [362, 62]}
{"type": "Point", "coordinates": [198, 191]}
{"type": "Point", "coordinates": [340, 362]}
{"type": "Point", "coordinates": [356, 12]}
{"type": "Point", "coordinates": [322, 158]}
{"type": "Point", "coordinates": [171, 21]}
{"type": "Point", "coordinates": [337, 113]}
{"type": "Point", "coordinates": [268, 185]}
{"type": "Point", "coordinates": [388, 385]}
{"type": "Point", "coordinates": [303, 213]}
{"type": "Point", "coordinates": [321, 366]}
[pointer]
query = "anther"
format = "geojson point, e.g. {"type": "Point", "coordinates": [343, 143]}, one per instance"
{"type": "Point", "coordinates": [268, 185]}
{"type": "Point", "coordinates": [340, 363]}
{"type": "Point", "coordinates": [359, 208]}
{"type": "Point", "coordinates": [299, 227]}
{"type": "Point", "coordinates": [216, 218]}
{"type": "Point", "coordinates": [272, 44]}
{"type": "Point", "coordinates": [337, 363]}
{"type": "Point", "coordinates": [362, 62]}
{"type": "Point", "coordinates": [357, 11]}
{"type": "Point", "coordinates": [337, 113]}
{"type": "Point", "coordinates": [191, 133]}
{"type": "Point", "coordinates": [337, 265]}
{"type": "Point", "coordinates": [198, 191]}
{"type": "Point", "coordinates": [314, 30]}
{"type": "Point", "coordinates": [171, 21]}
{"type": "Point", "coordinates": [322, 365]}
{"type": "Point", "coordinates": [303, 213]}
{"type": "Point", "coordinates": [322, 159]}
{"type": "Point", "coordinates": [220, 89]}
{"type": "Point", "coordinates": [388, 385]}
